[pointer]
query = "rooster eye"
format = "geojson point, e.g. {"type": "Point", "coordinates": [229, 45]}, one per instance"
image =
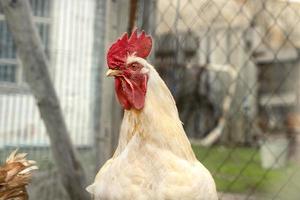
{"type": "Point", "coordinates": [135, 66]}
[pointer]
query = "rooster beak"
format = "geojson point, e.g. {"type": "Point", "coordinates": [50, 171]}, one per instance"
{"type": "Point", "coordinates": [112, 72]}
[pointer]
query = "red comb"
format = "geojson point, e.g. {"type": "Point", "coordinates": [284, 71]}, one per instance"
{"type": "Point", "coordinates": [139, 45]}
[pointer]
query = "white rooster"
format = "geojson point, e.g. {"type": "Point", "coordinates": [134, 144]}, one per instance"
{"type": "Point", "coordinates": [154, 159]}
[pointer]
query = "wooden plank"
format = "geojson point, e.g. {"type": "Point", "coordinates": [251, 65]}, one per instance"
{"type": "Point", "coordinates": [101, 90]}
{"type": "Point", "coordinates": [107, 113]}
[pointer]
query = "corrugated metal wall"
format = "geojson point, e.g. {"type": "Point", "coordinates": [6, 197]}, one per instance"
{"type": "Point", "coordinates": [67, 32]}
{"type": "Point", "coordinates": [66, 29]}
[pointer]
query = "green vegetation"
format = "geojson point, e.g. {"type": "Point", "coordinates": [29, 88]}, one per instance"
{"type": "Point", "coordinates": [238, 169]}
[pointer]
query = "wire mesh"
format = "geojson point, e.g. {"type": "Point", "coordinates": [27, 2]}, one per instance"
{"type": "Point", "coordinates": [259, 40]}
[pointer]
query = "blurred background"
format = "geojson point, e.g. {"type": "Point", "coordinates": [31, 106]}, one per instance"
{"type": "Point", "coordinates": [233, 67]}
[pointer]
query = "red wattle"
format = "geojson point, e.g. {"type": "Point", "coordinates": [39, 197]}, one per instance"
{"type": "Point", "coordinates": [131, 92]}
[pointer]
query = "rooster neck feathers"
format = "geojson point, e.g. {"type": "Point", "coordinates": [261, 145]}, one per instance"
{"type": "Point", "coordinates": [158, 122]}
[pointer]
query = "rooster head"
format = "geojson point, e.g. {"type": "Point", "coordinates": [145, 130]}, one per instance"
{"type": "Point", "coordinates": [130, 76]}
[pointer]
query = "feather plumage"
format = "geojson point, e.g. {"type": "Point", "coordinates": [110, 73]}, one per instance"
{"type": "Point", "coordinates": [15, 174]}
{"type": "Point", "coordinates": [154, 159]}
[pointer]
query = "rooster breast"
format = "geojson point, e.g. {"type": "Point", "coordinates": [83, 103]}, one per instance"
{"type": "Point", "coordinates": [144, 171]}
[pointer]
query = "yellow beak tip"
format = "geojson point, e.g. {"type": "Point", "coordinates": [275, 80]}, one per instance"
{"type": "Point", "coordinates": [108, 73]}
{"type": "Point", "coordinates": [112, 72]}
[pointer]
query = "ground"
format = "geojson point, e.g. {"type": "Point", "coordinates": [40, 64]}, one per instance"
{"type": "Point", "coordinates": [238, 170]}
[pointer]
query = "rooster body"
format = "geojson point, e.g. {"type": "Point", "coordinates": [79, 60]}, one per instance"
{"type": "Point", "coordinates": [154, 159]}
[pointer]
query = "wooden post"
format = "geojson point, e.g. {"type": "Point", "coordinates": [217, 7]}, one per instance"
{"type": "Point", "coordinates": [113, 15]}
{"type": "Point", "coordinates": [148, 16]}
{"type": "Point", "coordinates": [148, 20]}
{"type": "Point", "coordinates": [20, 22]}
{"type": "Point", "coordinates": [103, 90]}
{"type": "Point", "coordinates": [132, 15]}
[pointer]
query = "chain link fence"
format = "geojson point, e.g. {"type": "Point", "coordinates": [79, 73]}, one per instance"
{"type": "Point", "coordinates": [232, 66]}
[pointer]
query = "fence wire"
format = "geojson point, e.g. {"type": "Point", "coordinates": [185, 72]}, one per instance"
{"type": "Point", "coordinates": [259, 40]}
{"type": "Point", "coordinates": [232, 66]}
